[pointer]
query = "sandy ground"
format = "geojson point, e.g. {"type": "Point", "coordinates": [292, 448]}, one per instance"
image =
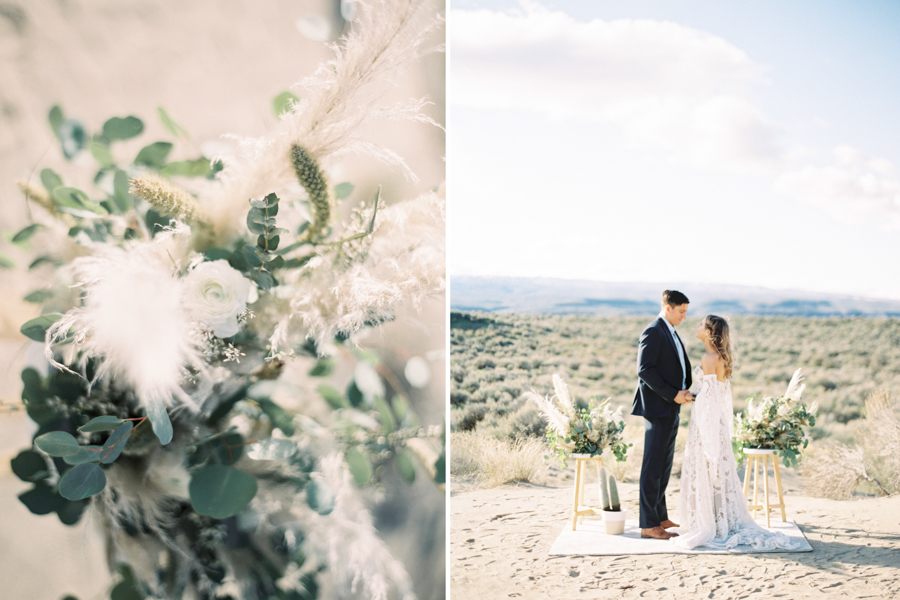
{"type": "Point", "coordinates": [500, 539]}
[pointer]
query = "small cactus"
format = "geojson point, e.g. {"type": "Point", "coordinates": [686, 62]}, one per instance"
{"type": "Point", "coordinates": [613, 494]}
{"type": "Point", "coordinates": [604, 490]}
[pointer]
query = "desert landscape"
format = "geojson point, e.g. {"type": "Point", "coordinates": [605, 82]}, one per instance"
{"type": "Point", "coordinates": [509, 502]}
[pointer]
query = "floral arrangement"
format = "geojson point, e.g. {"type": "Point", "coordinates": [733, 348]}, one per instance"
{"type": "Point", "coordinates": [776, 423]}
{"type": "Point", "coordinates": [575, 429]}
{"type": "Point", "coordinates": [185, 294]}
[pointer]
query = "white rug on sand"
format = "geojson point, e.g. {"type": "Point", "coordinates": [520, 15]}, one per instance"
{"type": "Point", "coordinates": [589, 539]}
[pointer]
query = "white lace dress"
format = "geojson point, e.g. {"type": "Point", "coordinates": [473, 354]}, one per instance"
{"type": "Point", "coordinates": [712, 507]}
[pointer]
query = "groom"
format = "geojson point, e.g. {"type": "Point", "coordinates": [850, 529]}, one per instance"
{"type": "Point", "coordinates": [664, 376]}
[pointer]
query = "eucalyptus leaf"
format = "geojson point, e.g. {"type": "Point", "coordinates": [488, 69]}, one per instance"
{"type": "Point", "coordinates": [440, 469]}
{"type": "Point", "coordinates": [384, 411]}
{"type": "Point", "coordinates": [359, 466]}
{"type": "Point", "coordinates": [44, 259]}
{"type": "Point", "coordinates": [82, 481]}
{"type": "Point", "coordinates": [73, 198]}
{"type": "Point", "coordinates": [271, 449]}
{"type": "Point", "coordinates": [38, 296]}
{"type": "Point", "coordinates": [343, 190]}
{"type": "Point", "coordinates": [102, 153]}
{"type": "Point", "coordinates": [58, 443]}
{"type": "Point", "coordinates": [122, 128]}
{"type": "Point", "coordinates": [36, 329]}
{"type": "Point", "coordinates": [41, 499]}
{"type": "Point", "coordinates": [280, 417]}
{"type": "Point", "coordinates": [121, 184]}
{"type": "Point", "coordinates": [25, 234]}
{"type": "Point", "coordinates": [268, 244]}
{"type": "Point", "coordinates": [199, 167]}
{"type": "Point", "coordinates": [70, 511]}
{"type": "Point", "coordinates": [30, 466]}
{"type": "Point", "coordinates": [159, 418]}
{"type": "Point", "coordinates": [56, 118]}
{"type": "Point", "coordinates": [87, 454]}
{"type": "Point", "coordinates": [333, 397]}
{"type": "Point", "coordinates": [6, 262]}
{"type": "Point", "coordinates": [354, 394]}
{"type": "Point", "coordinates": [72, 137]}
{"type": "Point", "coordinates": [104, 423]}
{"type": "Point", "coordinates": [405, 466]}
{"type": "Point", "coordinates": [50, 180]}
{"type": "Point", "coordinates": [220, 492]}
{"type": "Point", "coordinates": [324, 367]}
{"type": "Point", "coordinates": [319, 497]}
{"type": "Point", "coordinates": [154, 155]}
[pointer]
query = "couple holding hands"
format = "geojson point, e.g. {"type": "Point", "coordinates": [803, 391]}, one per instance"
{"type": "Point", "coordinates": [712, 506]}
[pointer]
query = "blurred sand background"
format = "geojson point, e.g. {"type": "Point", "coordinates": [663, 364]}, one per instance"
{"type": "Point", "coordinates": [215, 67]}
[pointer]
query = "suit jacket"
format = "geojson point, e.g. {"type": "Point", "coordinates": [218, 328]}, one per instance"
{"type": "Point", "coordinates": [659, 372]}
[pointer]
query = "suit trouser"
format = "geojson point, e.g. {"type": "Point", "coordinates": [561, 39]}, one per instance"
{"type": "Point", "coordinates": [659, 450]}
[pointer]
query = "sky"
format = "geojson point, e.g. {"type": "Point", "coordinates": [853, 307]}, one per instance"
{"type": "Point", "coordinates": [720, 141]}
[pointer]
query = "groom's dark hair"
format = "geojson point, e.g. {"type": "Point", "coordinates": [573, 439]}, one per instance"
{"type": "Point", "coordinates": [673, 298]}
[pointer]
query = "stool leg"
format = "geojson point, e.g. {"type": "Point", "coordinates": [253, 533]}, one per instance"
{"type": "Point", "coordinates": [575, 502]}
{"type": "Point", "coordinates": [766, 487]}
{"type": "Point", "coordinates": [778, 486]}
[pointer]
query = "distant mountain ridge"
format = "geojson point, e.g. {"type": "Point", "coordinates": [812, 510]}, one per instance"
{"type": "Point", "coordinates": [563, 296]}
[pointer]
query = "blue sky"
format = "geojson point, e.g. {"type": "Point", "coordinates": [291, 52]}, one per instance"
{"type": "Point", "coordinates": [705, 141]}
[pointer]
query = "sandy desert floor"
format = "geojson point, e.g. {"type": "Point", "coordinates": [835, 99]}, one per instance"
{"type": "Point", "coordinates": [500, 538]}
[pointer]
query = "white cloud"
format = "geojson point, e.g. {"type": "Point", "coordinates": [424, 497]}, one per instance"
{"type": "Point", "coordinates": [855, 186]}
{"type": "Point", "coordinates": [666, 85]}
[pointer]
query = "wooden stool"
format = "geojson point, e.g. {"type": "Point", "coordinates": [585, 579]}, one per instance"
{"type": "Point", "coordinates": [753, 462]}
{"type": "Point", "coordinates": [578, 507]}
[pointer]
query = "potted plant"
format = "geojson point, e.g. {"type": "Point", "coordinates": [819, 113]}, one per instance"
{"type": "Point", "coordinates": [775, 424]}
{"type": "Point", "coordinates": [612, 513]}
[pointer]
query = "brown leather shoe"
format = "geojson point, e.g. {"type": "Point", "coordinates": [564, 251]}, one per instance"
{"type": "Point", "coordinates": [657, 533]}
{"type": "Point", "coordinates": [667, 524]}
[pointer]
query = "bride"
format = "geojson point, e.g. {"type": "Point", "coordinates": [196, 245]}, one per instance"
{"type": "Point", "coordinates": [711, 503]}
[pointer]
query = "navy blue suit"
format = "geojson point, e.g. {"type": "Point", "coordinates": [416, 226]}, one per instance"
{"type": "Point", "coordinates": [659, 381]}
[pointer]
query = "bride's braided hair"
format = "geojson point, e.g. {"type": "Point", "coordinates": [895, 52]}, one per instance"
{"type": "Point", "coordinates": [720, 338]}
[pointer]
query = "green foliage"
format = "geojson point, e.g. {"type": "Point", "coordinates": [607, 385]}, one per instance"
{"type": "Point", "coordinates": [30, 466]}
{"type": "Point", "coordinates": [319, 497]}
{"type": "Point", "coordinates": [57, 443]}
{"type": "Point", "coordinates": [153, 155]}
{"type": "Point", "coordinates": [122, 128]}
{"type": "Point", "coordinates": [104, 423]}
{"type": "Point", "coordinates": [221, 491]}
{"type": "Point", "coordinates": [773, 424]}
{"type": "Point", "coordinates": [115, 443]}
{"type": "Point", "coordinates": [359, 466]}
{"type": "Point", "coordinates": [846, 360]}
{"type": "Point", "coordinates": [36, 329]}
{"type": "Point", "coordinates": [6, 262]}
{"type": "Point", "coordinates": [282, 102]}
{"type": "Point", "coordinates": [82, 481]}
{"type": "Point", "coordinates": [259, 261]}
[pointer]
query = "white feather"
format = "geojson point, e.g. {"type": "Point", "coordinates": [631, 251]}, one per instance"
{"type": "Point", "coordinates": [132, 321]}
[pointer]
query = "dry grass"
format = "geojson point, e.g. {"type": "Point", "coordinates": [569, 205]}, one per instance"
{"type": "Point", "coordinates": [836, 470]}
{"type": "Point", "coordinates": [494, 462]}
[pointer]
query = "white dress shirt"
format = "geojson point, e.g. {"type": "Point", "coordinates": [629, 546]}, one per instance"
{"type": "Point", "coordinates": [678, 346]}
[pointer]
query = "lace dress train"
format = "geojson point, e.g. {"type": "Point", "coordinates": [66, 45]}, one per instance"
{"type": "Point", "coordinates": [711, 504]}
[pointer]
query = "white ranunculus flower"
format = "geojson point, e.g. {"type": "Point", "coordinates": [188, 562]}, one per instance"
{"type": "Point", "coordinates": [216, 294]}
